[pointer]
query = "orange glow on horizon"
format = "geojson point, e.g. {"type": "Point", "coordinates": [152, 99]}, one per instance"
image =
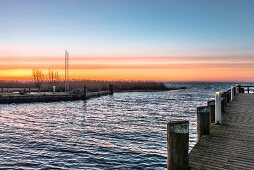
{"type": "Point", "coordinates": [192, 68]}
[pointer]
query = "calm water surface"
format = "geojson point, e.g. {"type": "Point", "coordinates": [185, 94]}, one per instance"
{"type": "Point", "coordinates": [123, 131]}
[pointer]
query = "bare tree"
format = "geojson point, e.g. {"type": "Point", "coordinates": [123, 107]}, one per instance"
{"type": "Point", "coordinates": [38, 77]}
{"type": "Point", "coordinates": [52, 77]}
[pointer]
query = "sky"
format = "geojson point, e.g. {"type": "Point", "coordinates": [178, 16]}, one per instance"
{"type": "Point", "coordinates": [162, 40]}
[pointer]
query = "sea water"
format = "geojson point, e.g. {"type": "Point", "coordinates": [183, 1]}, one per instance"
{"type": "Point", "coordinates": [123, 131]}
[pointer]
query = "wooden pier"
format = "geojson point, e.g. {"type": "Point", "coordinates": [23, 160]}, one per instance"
{"type": "Point", "coordinates": [231, 144]}
{"type": "Point", "coordinates": [227, 144]}
{"type": "Point", "coordinates": [52, 97]}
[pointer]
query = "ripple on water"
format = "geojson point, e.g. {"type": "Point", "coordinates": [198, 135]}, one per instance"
{"type": "Point", "coordinates": [123, 131]}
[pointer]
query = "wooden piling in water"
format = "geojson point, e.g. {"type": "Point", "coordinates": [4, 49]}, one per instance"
{"type": "Point", "coordinates": [111, 89]}
{"type": "Point", "coordinates": [223, 105]}
{"type": "Point", "coordinates": [232, 93]}
{"type": "Point", "coordinates": [203, 121]}
{"type": "Point", "coordinates": [84, 92]}
{"type": "Point", "coordinates": [177, 145]}
{"type": "Point", "coordinates": [211, 105]}
{"type": "Point", "coordinates": [217, 107]}
{"type": "Point", "coordinates": [228, 96]}
{"type": "Point", "coordinates": [225, 97]}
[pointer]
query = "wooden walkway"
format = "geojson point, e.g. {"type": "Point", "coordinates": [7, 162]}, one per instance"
{"type": "Point", "coordinates": [230, 145]}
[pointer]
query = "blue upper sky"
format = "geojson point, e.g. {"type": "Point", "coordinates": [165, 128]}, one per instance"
{"type": "Point", "coordinates": [145, 27]}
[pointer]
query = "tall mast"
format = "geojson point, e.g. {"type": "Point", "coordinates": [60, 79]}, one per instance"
{"type": "Point", "coordinates": [65, 71]}
{"type": "Point", "coordinates": [68, 85]}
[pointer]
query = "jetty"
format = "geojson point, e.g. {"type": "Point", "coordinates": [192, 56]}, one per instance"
{"type": "Point", "coordinates": [52, 96]}
{"type": "Point", "coordinates": [225, 134]}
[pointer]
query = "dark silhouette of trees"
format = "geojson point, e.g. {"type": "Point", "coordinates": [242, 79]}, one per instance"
{"type": "Point", "coordinates": [52, 77]}
{"type": "Point", "coordinates": [38, 77]}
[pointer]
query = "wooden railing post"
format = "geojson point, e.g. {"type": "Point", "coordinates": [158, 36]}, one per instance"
{"type": "Point", "coordinates": [177, 145]}
{"type": "Point", "coordinates": [218, 108]}
{"type": "Point", "coordinates": [232, 93]}
{"type": "Point", "coordinates": [84, 92]}
{"type": "Point", "coordinates": [211, 105]}
{"type": "Point", "coordinates": [223, 105]}
{"type": "Point", "coordinates": [111, 89]}
{"type": "Point", "coordinates": [229, 96]}
{"type": "Point", "coordinates": [203, 121]}
{"type": "Point", "coordinates": [236, 89]}
{"type": "Point", "coordinates": [225, 97]}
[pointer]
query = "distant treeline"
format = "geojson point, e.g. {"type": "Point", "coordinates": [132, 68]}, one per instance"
{"type": "Point", "coordinates": [91, 85]}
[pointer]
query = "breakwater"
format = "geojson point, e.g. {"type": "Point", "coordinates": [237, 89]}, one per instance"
{"type": "Point", "coordinates": [52, 97]}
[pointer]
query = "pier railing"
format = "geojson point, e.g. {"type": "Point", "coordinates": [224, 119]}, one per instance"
{"type": "Point", "coordinates": [246, 89]}
{"type": "Point", "coordinates": [177, 131]}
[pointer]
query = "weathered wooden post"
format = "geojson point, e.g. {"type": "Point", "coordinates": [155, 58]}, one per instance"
{"type": "Point", "coordinates": [248, 89]}
{"type": "Point", "coordinates": [111, 89]}
{"type": "Point", "coordinates": [29, 89]}
{"type": "Point", "coordinates": [240, 89]}
{"type": "Point", "coordinates": [211, 105]}
{"type": "Point", "coordinates": [203, 121]}
{"type": "Point", "coordinates": [228, 96]}
{"type": "Point", "coordinates": [232, 93]}
{"type": "Point", "coordinates": [84, 92]}
{"type": "Point", "coordinates": [217, 107]}
{"type": "Point", "coordinates": [236, 89]}
{"type": "Point", "coordinates": [178, 145]}
{"type": "Point", "coordinates": [225, 97]}
{"type": "Point", "coordinates": [223, 105]}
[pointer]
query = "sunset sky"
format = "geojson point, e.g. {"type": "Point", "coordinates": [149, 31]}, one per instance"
{"type": "Point", "coordinates": [165, 40]}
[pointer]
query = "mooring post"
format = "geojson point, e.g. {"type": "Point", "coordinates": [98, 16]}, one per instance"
{"type": "Point", "coordinates": [236, 89]}
{"type": "Point", "coordinates": [222, 105]}
{"type": "Point", "coordinates": [203, 121]}
{"type": "Point", "coordinates": [232, 93]}
{"type": "Point", "coordinates": [240, 88]}
{"type": "Point", "coordinates": [111, 89]}
{"type": "Point", "coordinates": [217, 107]}
{"type": "Point", "coordinates": [84, 92]}
{"type": "Point", "coordinates": [225, 97]}
{"type": "Point", "coordinates": [228, 96]}
{"type": "Point", "coordinates": [211, 105]}
{"type": "Point", "coordinates": [178, 145]}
